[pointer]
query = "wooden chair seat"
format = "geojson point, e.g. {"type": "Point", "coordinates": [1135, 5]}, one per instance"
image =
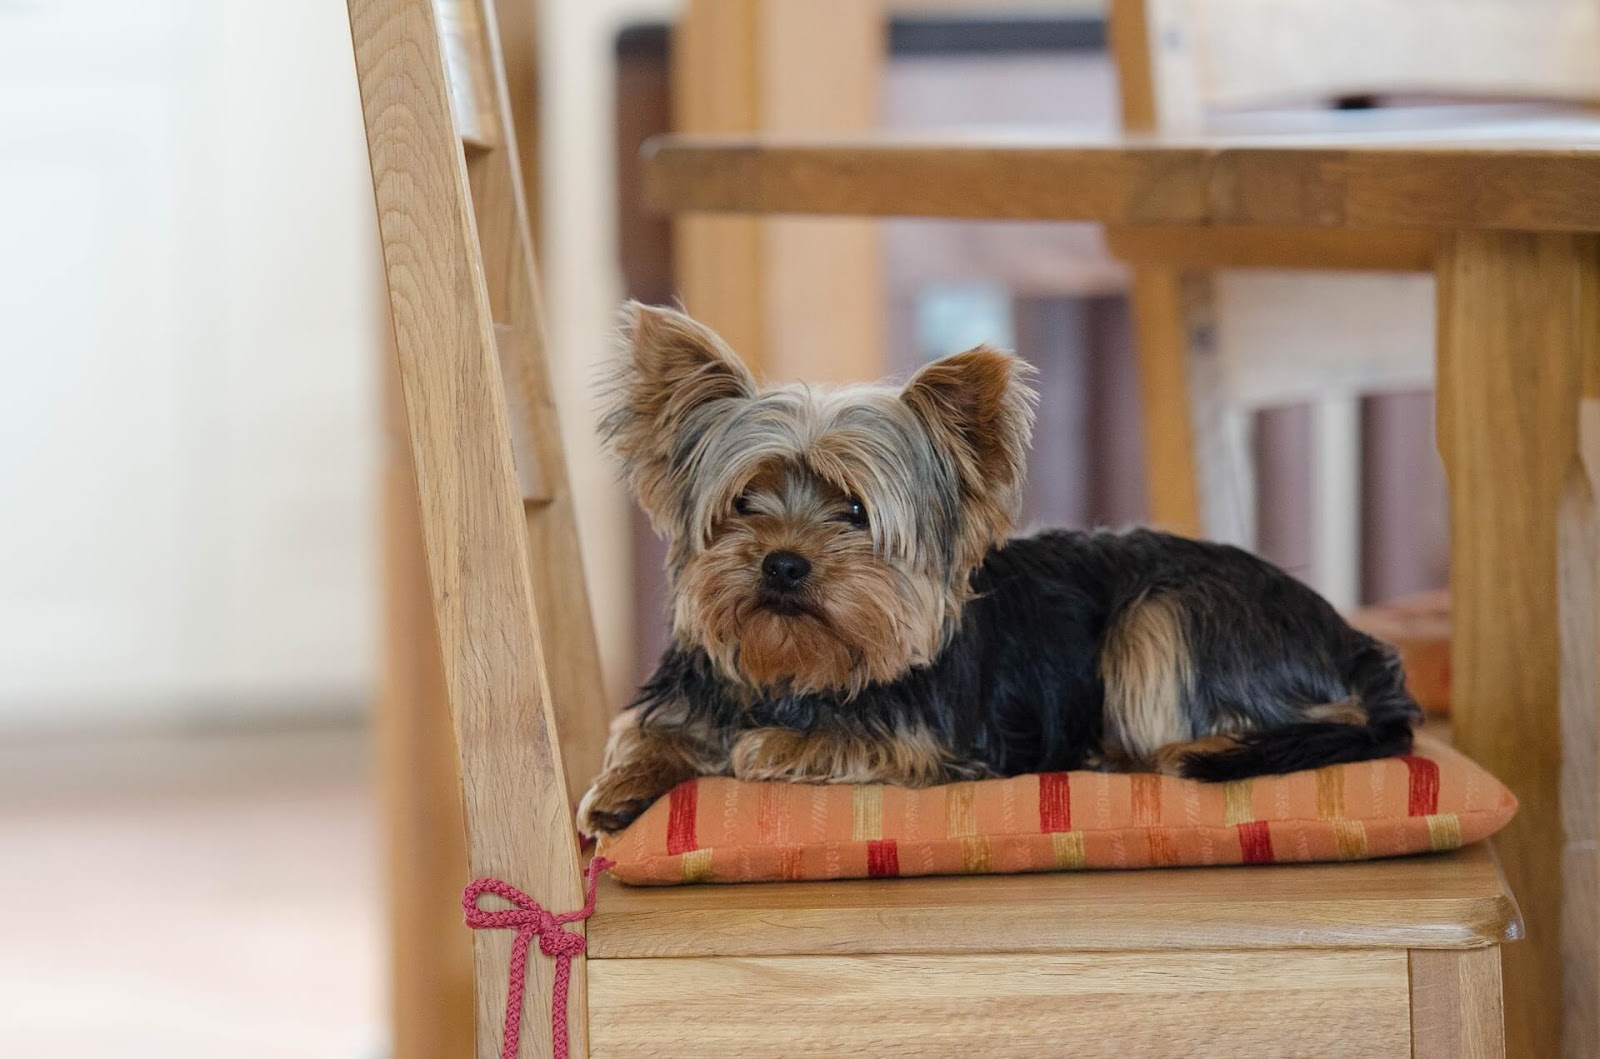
{"type": "Point", "coordinates": [1455, 900]}
{"type": "Point", "coordinates": [1419, 626]}
{"type": "Point", "coordinates": [1293, 960]}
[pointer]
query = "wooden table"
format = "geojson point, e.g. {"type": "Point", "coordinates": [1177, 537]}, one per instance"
{"type": "Point", "coordinates": [1513, 213]}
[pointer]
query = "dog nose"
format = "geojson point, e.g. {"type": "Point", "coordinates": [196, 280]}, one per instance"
{"type": "Point", "coordinates": [783, 571]}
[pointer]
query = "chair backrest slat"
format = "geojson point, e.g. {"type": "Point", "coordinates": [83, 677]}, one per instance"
{"type": "Point", "coordinates": [560, 592]}
{"type": "Point", "coordinates": [531, 474]}
{"type": "Point", "coordinates": [495, 509]}
{"type": "Point", "coordinates": [466, 63]}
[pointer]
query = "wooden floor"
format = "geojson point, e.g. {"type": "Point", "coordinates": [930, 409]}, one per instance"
{"type": "Point", "coordinates": [190, 898]}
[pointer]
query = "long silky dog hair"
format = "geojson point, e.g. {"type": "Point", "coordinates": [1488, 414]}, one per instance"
{"type": "Point", "coordinates": [849, 605]}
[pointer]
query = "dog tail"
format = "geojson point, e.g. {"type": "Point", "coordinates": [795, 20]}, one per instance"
{"type": "Point", "coordinates": [1377, 683]}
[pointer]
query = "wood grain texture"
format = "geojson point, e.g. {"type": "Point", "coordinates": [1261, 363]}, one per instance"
{"type": "Point", "coordinates": [957, 178]}
{"type": "Point", "coordinates": [430, 965]}
{"type": "Point", "coordinates": [1515, 314]}
{"type": "Point", "coordinates": [1160, 309]}
{"type": "Point", "coordinates": [720, 262]}
{"type": "Point", "coordinates": [1456, 1009]}
{"type": "Point", "coordinates": [797, 299]}
{"type": "Point", "coordinates": [825, 305]}
{"type": "Point", "coordinates": [1579, 577]}
{"type": "Point", "coordinates": [533, 479]}
{"type": "Point", "coordinates": [1107, 1006]}
{"type": "Point", "coordinates": [1450, 901]}
{"type": "Point", "coordinates": [1390, 250]}
{"type": "Point", "coordinates": [1548, 183]}
{"type": "Point", "coordinates": [517, 35]}
{"type": "Point", "coordinates": [1172, 302]}
{"type": "Point", "coordinates": [518, 817]}
{"type": "Point", "coordinates": [1469, 185]}
{"type": "Point", "coordinates": [466, 62]}
{"type": "Point", "coordinates": [555, 555]}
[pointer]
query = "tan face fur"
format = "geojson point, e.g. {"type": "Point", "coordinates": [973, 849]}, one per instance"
{"type": "Point", "coordinates": [884, 498]}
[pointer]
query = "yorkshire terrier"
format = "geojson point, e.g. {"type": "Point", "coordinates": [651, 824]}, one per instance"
{"type": "Point", "coordinates": [849, 605]}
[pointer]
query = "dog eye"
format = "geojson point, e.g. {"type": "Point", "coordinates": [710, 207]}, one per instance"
{"type": "Point", "coordinates": [741, 506]}
{"type": "Point", "coordinates": [855, 513]}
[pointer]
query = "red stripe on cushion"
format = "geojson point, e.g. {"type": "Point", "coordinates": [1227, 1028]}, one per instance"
{"type": "Point", "coordinates": [1255, 843]}
{"type": "Point", "coordinates": [1055, 802]}
{"type": "Point", "coordinates": [883, 858]}
{"type": "Point", "coordinates": [1424, 800]}
{"type": "Point", "coordinates": [680, 817]}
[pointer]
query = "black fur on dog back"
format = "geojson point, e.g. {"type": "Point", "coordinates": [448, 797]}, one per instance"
{"type": "Point", "coordinates": [1019, 688]}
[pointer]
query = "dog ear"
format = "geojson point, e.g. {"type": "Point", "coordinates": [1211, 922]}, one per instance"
{"type": "Point", "coordinates": [672, 379]}
{"type": "Point", "coordinates": [978, 406]}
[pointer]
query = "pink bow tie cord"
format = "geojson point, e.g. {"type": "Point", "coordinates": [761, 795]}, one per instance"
{"type": "Point", "coordinates": [530, 920]}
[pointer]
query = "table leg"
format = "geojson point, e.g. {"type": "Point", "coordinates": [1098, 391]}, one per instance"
{"type": "Point", "coordinates": [1160, 317]}
{"type": "Point", "coordinates": [1517, 321]}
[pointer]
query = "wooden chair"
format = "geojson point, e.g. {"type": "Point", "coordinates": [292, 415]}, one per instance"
{"type": "Point", "coordinates": [1244, 318]}
{"type": "Point", "coordinates": [1384, 958]}
{"type": "Point", "coordinates": [1225, 328]}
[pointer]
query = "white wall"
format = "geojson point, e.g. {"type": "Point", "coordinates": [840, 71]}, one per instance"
{"type": "Point", "coordinates": [188, 345]}
{"type": "Point", "coordinates": [189, 313]}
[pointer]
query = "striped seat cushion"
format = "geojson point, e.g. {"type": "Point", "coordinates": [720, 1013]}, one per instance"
{"type": "Point", "coordinates": [722, 830]}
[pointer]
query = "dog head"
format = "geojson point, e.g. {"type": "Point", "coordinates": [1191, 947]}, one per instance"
{"type": "Point", "coordinates": [818, 540]}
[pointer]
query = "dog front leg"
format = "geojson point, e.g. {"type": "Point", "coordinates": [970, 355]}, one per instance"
{"type": "Point", "coordinates": [642, 763]}
{"type": "Point", "coordinates": [910, 757]}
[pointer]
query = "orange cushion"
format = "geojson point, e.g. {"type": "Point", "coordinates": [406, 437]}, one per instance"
{"type": "Point", "coordinates": [722, 830]}
{"type": "Point", "coordinates": [1419, 627]}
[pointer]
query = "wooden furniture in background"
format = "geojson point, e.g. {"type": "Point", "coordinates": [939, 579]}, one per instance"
{"type": "Point", "coordinates": [1220, 336]}
{"type": "Point", "coordinates": [797, 301]}
{"type": "Point", "coordinates": [1330, 960]}
{"type": "Point", "coordinates": [1052, 292]}
{"type": "Point", "coordinates": [1519, 414]}
{"type": "Point", "coordinates": [1408, 535]}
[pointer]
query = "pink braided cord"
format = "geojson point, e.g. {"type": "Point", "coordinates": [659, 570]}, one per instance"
{"type": "Point", "coordinates": [530, 920]}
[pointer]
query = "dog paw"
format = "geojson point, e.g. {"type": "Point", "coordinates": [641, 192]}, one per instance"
{"type": "Point", "coordinates": [616, 800]}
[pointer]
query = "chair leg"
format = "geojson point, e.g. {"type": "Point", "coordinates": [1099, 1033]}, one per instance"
{"type": "Point", "coordinates": [431, 955]}
{"type": "Point", "coordinates": [1456, 1011]}
{"type": "Point", "coordinates": [1162, 335]}
{"type": "Point", "coordinates": [1201, 477]}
